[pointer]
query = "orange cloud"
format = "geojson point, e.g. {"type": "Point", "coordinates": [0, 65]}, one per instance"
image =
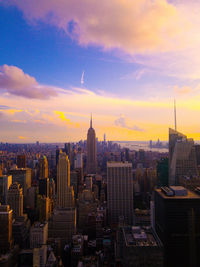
{"type": "Point", "coordinates": [22, 137]}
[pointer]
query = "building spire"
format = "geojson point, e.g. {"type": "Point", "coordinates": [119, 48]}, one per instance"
{"type": "Point", "coordinates": [91, 121]}
{"type": "Point", "coordinates": [175, 114]}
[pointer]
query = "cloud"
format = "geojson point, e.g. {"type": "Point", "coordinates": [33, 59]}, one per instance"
{"type": "Point", "coordinates": [186, 90]}
{"type": "Point", "coordinates": [22, 137]}
{"type": "Point", "coordinates": [19, 121]}
{"type": "Point", "coordinates": [121, 122]}
{"type": "Point", "coordinates": [182, 90]}
{"type": "Point", "coordinates": [4, 107]}
{"type": "Point", "coordinates": [139, 26]}
{"type": "Point", "coordinates": [14, 81]}
{"type": "Point", "coordinates": [136, 75]}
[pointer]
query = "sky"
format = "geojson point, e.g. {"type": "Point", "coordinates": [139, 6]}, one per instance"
{"type": "Point", "coordinates": [124, 61]}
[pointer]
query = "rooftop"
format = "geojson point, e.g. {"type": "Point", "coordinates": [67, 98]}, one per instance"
{"type": "Point", "coordinates": [119, 164]}
{"type": "Point", "coordinates": [177, 192]}
{"type": "Point", "coordinates": [137, 236]}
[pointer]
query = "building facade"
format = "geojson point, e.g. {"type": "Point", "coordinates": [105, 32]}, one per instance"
{"type": "Point", "coordinates": [120, 191]}
{"type": "Point", "coordinates": [91, 150]}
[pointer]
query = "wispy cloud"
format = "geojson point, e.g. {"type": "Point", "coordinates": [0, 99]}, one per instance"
{"type": "Point", "coordinates": [122, 122]}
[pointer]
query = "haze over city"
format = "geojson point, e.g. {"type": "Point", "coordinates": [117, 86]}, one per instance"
{"type": "Point", "coordinates": [124, 61]}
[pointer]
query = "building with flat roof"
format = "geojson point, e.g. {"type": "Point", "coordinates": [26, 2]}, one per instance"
{"type": "Point", "coordinates": [177, 223]}
{"type": "Point", "coordinates": [140, 246]}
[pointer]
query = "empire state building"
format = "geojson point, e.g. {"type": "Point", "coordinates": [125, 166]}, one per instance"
{"type": "Point", "coordinates": [91, 150]}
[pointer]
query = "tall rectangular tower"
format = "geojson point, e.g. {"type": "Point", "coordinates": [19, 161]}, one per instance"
{"type": "Point", "coordinates": [65, 193]}
{"type": "Point", "coordinates": [15, 199]}
{"type": "Point", "coordinates": [182, 157]}
{"type": "Point", "coordinates": [5, 229]}
{"type": "Point", "coordinates": [5, 182]}
{"type": "Point", "coordinates": [177, 223]}
{"type": "Point", "coordinates": [120, 191]}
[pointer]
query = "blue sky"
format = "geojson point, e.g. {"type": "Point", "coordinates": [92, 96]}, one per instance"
{"type": "Point", "coordinates": [135, 65]}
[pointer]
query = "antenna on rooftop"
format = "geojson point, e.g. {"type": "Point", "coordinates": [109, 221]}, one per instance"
{"type": "Point", "coordinates": [175, 114]}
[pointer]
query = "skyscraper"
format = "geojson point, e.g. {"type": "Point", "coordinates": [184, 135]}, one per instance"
{"type": "Point", "coordinates": [65, 193]}
{"type": "Point", "coordinates": [15, 199]}
{"type": "Point", "coordinates": [91, 150]}
{"type": "Point", "coordinates": [21, 161]}
{"type": "Point", "coordinates": [62, 224]}
{"type": "Point", "coordinates": [6, 228]}
{"type": "Point", "coordinates": [23, 177]}
{"type": "Point", "coordinates": [182, 157]}
{"type": "Point", "coordinates": [5, 182]}
{"type": "Point", "coordinates": [177, 220]}
{"type": "Point", "coordinates": [43, 168]}
{"type": "Point", "coordinates": [120, 191]}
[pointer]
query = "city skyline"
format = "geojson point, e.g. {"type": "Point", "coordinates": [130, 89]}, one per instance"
{"type": "Point", "coordinates": [58, 64]}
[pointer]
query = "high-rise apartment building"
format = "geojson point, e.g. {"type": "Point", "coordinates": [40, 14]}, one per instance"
{"type": "Point", "coordinates": [177, 223]}
{"type": "Point", "coordinates": [91, 150]}
{"type": "Point", "coordinates": [15, 199]}
{"type": "Point", "coordinates": [5, 228]}
{"type": "Point", "coordinates": [5, 182]}
{"type": "Point", "coordinates": [182, 157]}
{"type": "Point", "coordinates": [120, 191]}
{"type": "Point", "coordinates": [43, 168]}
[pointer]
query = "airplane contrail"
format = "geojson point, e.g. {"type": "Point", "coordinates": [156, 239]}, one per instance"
{"type": "Point", "coordinates": [82, 77]}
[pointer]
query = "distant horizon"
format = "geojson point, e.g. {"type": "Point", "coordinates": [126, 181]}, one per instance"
{"type": "Point", "coordinates": [59, 64]}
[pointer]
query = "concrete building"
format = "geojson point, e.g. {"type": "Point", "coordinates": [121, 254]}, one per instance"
{"type": "Point", "coordinates": [87, 203]}
{"type": "Point", "coordinates": [177, 220]}
{"type": "Point", "coordinates": [140, 247]}
{"type": "Point", "coordinates": [120, 192]}
{"type": "Point", "coordinates": [20, 231]}
{"type": "Point", "coordinates": [21, 161]}
{"type": "Point", "coordinates": [44, 187]}
{"type": "Point", "coordinates": [91, 150]}
{"type": "Point", "coordinates": [38, 234]}
{"type": "Point", "coordinates": [62, 224]}
{"type": "Point", "coordinates": [65, 192]}
{"type": "Point", "coordinates": [79, 160]}
{"type": "Point", "coordinates": [15, 199]}
{"type": "Point", "coordinates": [40, 256]}
{"type": "Point", "coordinates": [5, 182]}
{"type": "Point", "coordinates": [23, 177]}
{"type": "Point", "coordinates": [44, 208]}
{"type": "Point", "coordinates": [43, 168]}
{"type": "Point", "coordinates": [6, 241]}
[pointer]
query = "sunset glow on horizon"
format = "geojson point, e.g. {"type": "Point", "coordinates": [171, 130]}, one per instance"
{"type": "Point", "coordinates": [123, 61]}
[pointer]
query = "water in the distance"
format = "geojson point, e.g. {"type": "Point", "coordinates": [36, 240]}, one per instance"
{"type": "Point", "coordinates": [136, 145]}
